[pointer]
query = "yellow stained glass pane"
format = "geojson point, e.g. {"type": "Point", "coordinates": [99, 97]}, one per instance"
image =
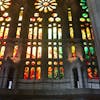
{"type": "Point", "coordinates": [88, 33]}
{"type": "Point", "coordinates": [83, 34]}
{"type": "Point", "coordinates": [69, 16]}
{"type": "Point", "coordinates": [49, 52]}
{"type": "Point", "coordinates": [73, 50]}
{"type": "Point", "coordinates": [71, 32]}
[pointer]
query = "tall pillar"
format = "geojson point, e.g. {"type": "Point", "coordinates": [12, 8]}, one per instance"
{"type": "Point", "coordinates": [94, 9]}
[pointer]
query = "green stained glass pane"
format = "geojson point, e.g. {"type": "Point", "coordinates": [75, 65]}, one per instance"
{"type": "Point", "coordinates": [87, 10]}
{"type": "Point", "coordinates": [60, 52]}
{"type": "Point", "coordinates": [84, 7]}
{"type": "Point", "coordinates": [82, 4]}
{"type": "Point", "coordinates": [55, 72]}
{"type": "Point", "coordinates": [88, 19]}
{"type": "Point", "coordinates": [87, 57]}
{"type": "Point", "coordinates": [82, 0]}
{"type": "Point", "coordinates": [61, 72]}
{"type": "Point", "coordinates": [85, 43]}
{"type": "Point", "coordinates": [85, 15]}
{"type": "Point", "coordinates": [49, 72]}
{"type": "Point", "coordinates": [91, 50]}
{"type": "Point", "coordinates": [86, 50]}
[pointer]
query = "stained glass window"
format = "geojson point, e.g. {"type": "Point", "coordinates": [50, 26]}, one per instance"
{"type": "Point", "coordinates": [70, 22]}
{"type": "Point", "coordinates": [45, 5]}
{"type": "Point", "coordinates": [4, 26]}
{"type": "Point", "coordinates": [55, 50]}
{"type": "Point", "coordinates": [19, 22]}
{"type": "Point", "coordinates": [88, 42]}
{"type": "Point", "coordinates": [4, 4]}
{"type": "Point", "coordinates": [34, 47]}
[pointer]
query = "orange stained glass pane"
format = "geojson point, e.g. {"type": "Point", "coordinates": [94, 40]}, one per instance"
{"type": "Point", "coordinates": [18, 32]}
{"type": "Point", "coordinates": [33, 52]}
{"type": "Point", "coordinates": [28, 52]}
{"type": "Point", "coordinates": [90, 74]}
{"type": "Point", "coordinates": [39, 53]}
{"type": "Point", "coordinates": [26, 73]}
{"type": "Point", "coordinates": [8, 19]}
{"type": "Point", "coordinates": [55, 63]}
{"type": "Point", "coordinates": [38, 73]}
{"type": "Point", "coordinates": [2, 50]}
{"type": "Point", "coordinates": [59, 33]}
{"type": "Point", "coordinates": [40, 34]}
{"type": "Point", "coordinates": [35, 32]}
{"type": "Point", "coordinates": [15, 52]}
{"type": "Point", "coordinates": [32, 73]}
{"type": "Point", "coordinates": [49, 72]}
{"type": "Point", "coordinates": [1, 31]}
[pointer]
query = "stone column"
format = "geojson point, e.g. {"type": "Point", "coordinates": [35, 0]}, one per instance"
{"type": "Point", "coordinates": [94, 9]}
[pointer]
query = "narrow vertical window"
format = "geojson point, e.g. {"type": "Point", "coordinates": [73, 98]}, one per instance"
{"type": "Point", "coordinates": [18, 32]}
{"type": "Point", "coordinates": [55, 50]}
{"type": "Point", "coordinates": [88, 42]}
{"type": "Point", "coordinates": [34, 47]}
